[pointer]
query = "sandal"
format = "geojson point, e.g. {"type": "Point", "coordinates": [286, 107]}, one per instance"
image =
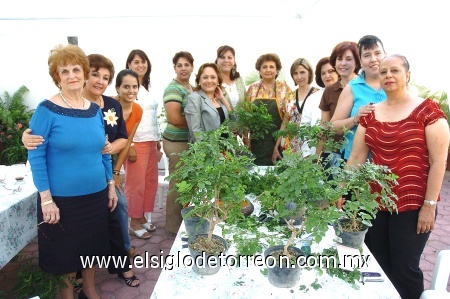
{"type": "Point", "coordinates": [133, 252]}
{"type": "Point", "coordinates": [129, 280]}
{"type": "Point", "coordinates": [140, 233]}
{"type": "Point", "coordinates": [149, 226]}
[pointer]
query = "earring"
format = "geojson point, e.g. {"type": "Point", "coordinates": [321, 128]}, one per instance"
{"type": "Point", "coordinates": [59, 86]}
{"type": "Point", "coordinates": [233, 70]}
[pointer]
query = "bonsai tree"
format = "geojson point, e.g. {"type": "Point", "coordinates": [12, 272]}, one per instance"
{"type": "Point", "coordinates": [251, 121]}
{"type": "Point", "coordinates": [302, 189]}
{"type": "Point", "coordinates": [365, 203]}
{"type": "Point", "coordinates": [209, 175]}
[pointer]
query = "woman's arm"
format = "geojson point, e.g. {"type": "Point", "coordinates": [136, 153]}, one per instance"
{"type": "Point", "coordinates": [276, 153]}
{"type": "Point", "coordinates": [358, 155]}
{"type": "Point", "coordinates": [121, 158]}
{"type": "Point", "coordinates": [341, 117]}
{"type": "Point", "coordinates": [437, 137]}
{"type": "Point", "coordinates": [325, 116]}
{"type": "Point", "coordinates": [193, 114]}
{"type": "Point", "coordinates": [174, 116]}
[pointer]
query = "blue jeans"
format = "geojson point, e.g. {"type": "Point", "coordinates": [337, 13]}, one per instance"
{"type": "Point", "coordinates": [121, 216]}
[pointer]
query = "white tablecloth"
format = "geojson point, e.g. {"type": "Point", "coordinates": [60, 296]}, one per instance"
{"type": "Point", "coordinates": [17, 216]}
{"type": "Point", "coordinates": [179, 281]}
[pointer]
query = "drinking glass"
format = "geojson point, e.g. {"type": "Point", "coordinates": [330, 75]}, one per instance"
{"type": "Point", "coordinates": [18, 171]}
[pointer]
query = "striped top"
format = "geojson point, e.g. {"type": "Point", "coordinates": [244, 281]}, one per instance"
{"type": "Point", "coordinates": [401, 146]}
{"type": "Point", "coordinates": [175, 92]}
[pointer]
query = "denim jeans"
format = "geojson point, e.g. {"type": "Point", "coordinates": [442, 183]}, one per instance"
{"type": "Point", "coordinates": [121, 216]}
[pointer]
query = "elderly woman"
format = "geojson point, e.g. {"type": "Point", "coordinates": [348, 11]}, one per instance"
{"type": "Point", "coordinates": [273, 93]}
{"type": "Point", "coordinates": [206, 108]}
{"type": "Point", "coordinates": [100, 76]}
{"type": "Point", "coordinates": [175, 136]}
{"type": "Point", "coordinates": [409, 135]}
{"type": "Point", "coordinates": [73, 177]}
{"type": "Point", "coordinates": [233, 84]}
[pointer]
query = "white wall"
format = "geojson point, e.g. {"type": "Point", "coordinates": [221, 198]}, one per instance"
{"type": "Point", "coordinates": [414, 30]}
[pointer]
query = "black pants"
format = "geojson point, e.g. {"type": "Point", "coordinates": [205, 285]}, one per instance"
{"type": "Point", "coordinates": [397, 247]}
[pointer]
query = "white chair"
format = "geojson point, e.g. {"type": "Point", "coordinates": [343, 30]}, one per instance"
{"type": "Point", "coordinates": [162, 183]}
{"type": "Point", "coordinates": [439, 281]}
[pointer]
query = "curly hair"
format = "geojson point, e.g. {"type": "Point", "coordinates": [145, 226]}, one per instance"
{"type": "Point", "coordinates": [64, 55]}
{"type": "Point", "coordinates": [97, 61]}
{"type": "Point", "coordinates": [268, 57]}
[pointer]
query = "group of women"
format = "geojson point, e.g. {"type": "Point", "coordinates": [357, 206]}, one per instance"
{"type": "Point", "coordinates": [76, 131]}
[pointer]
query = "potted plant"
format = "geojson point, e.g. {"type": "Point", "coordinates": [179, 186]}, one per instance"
{"type": "Point", "coordinates": [14, 118]}
{"type": "Point", "coordinates": [250, 121]}
{"type": "Point", "coordinates": [301, 184]}
{"type": "Point", "coordinates": [209, 176]}
{"type": "Point", "coordinates": [364, 204]}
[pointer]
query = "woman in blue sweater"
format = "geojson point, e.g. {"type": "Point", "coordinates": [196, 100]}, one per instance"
{"type": "Point", "coordinates": [73, 177]}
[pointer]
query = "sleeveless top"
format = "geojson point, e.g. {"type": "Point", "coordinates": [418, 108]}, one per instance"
{"type": "Point", "coordinates": [363, 94]}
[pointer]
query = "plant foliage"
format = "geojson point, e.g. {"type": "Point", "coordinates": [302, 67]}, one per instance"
{"type": "Point", "coordinates": [14, 117]}
{"type": "Point", "coordinates": [209, 175]}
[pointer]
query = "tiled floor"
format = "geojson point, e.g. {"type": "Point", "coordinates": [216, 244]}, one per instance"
{"type": "Point", "coordinates": [110, 287]}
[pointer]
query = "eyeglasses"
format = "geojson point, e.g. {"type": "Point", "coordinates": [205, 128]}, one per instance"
{"type": "Point", "coordinates": [48, 232]}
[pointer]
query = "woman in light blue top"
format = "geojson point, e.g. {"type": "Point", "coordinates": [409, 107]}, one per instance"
{"type": "Point", "coordinates": [358, 97]}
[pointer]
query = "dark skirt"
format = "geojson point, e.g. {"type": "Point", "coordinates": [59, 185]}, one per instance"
{"type": "Point", "coordinates": [82, 231]}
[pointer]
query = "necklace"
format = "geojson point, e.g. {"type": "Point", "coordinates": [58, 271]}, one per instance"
{"type": "Point", "coordinates": [68, 104]}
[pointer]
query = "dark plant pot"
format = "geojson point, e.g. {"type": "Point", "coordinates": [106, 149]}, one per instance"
{"type": "Point", "coordinates": [283, 277]}
{"type": "Point", "coordinates": [194, 225]}
{"type": "Point", "coordinates": [202, 266]}
{"type": "Point", "coordinates": [247, 208]}
{"type": "Point", "coordinates": [352, 239]}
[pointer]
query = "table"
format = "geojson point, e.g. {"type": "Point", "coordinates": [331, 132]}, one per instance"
{"type": "Point", "coordinates": [180, 281]}
{"type": "Point", "coordinates": [17, 215]}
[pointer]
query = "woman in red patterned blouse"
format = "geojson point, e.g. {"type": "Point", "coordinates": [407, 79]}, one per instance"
{"type": "Point", "coordinates": [410, 135]}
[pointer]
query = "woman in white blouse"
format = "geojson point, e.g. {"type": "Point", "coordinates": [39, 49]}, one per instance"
{"type": "Point", "coordinates": [233, 85]}
{"type": "Point", "coordinates": [141, 167]}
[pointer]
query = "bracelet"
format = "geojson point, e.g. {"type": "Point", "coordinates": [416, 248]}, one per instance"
{"type": "Point", "coordinates": [116, 172]}
{"type": "Point", "coordinates": [47, 202]}
{"type": "Point", "coordinates": [430, 202]}
{"type": "Point", "coordinates": [111, 182]}
{"type": "Point", "coordinates": [354, 120]}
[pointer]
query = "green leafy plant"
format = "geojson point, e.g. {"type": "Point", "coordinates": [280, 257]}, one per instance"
{"type": "Point", "coordinates": [209, 175]}
{"type": "Point", "coordinates": [32, 281]}
{"type": "Point", "coordinates": [251, 121]}
{"type": "Point", "coordinates": [14, 117]}
{"type": "Point", "coordinates": [440, 96]}
{"type": "Point", "coordinates": [363, 206]}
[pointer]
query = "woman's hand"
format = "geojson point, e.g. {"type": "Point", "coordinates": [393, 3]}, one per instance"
{"type": "Point", "coordinates": [218, 94]}
{"type": "Point", "coordinates": [118, 181]}
{"type": "Point", "coordinates": [276, 155]}
{"type": "Point", "coordinates": [132, 157]}
{"type": "Point", "coordinates": [363, 111]}
{"type": "Point", "coordinates": [112, 196]}
{"type": "Point", "coordinates": [427, 215]}
{"type": "Point", "coordinates": [108, 148]}
{"type": "Point", "coordinates": [31, 142]}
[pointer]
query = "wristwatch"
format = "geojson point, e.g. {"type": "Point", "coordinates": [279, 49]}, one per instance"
{"type": "Point", "coordinates": [430, 202]}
